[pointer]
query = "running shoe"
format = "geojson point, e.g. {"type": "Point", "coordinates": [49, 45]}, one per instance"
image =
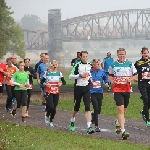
{"type": "Point", "coordinates": [117, 126]}
{"type": "Point", "coordinates": [26, 114]}
{"type": "Point", "coordinates": [43, 108]}
{"type": "Point", "coordinates": [125, 135]}
{"type": "Point", "coordinates": [23, 119]}
{"type": "Point", "coordinates": [148, 124]}
{"type": "Point", "coordinates": [143, 116]}
{"type": "Point", "coordinates": [46, 120]}
{"type": "Point", "coordinates": [97, 129]}
{"type": "Point", "coordinates": [109, 89]}
{"type": "Point", "coordinates": [72, 127]}
{"type": "Point", "coordinates": [51, 124]}
{"type": "Point", "coordinates": [90, 130]}
{"type": "Point", "coordinates": [13, 113]}
{"type": "Point", "coordinates": [92, 116]}
{"type": "Point", "coordinates": [8, 111]}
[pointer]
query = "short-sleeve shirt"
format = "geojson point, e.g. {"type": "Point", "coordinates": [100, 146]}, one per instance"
{"type": "Point", "coordinates": [42, 68]}
{"type": "Point", "coordinates": [121, 72]}
{"type": "Point", "coordinates": [4, 68]}
{"type": "Point", "coordinates": [21, 78]}
{"type": "Point", "coordinates": [52, 78]}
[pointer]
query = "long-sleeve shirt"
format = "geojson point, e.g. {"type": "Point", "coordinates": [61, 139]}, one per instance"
{"type": "Point", "coordinates": [98, 77]}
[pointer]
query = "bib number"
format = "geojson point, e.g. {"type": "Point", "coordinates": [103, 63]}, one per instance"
{"type": "Point", "coordinates": [54, 90]}
{"type": "Point", "coordinates": [96, 84]}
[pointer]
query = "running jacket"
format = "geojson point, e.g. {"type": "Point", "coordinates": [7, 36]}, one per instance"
{"type": "Point", "coordinates": [120, 72]}
{"type": "Point", "coordinates": [143, 70]}
{"type": "Point", "coordinates": [98, 77]}
{"type": "Point", "coordinates": [107, 63]}
{"type": "Point", "coordinates": [77, 70]}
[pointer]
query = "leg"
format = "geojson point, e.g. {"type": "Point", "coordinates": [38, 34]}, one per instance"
{"type": "Point", "coordinates": [24, 103]}
{"type": "Point", "coordinates": [86, 100]}
{"type": "Point", "coordinates": [9, 97]}
{"type": "Point", "coordinates": [29, 91]}
{"type": "Point", "coordinates": [1, 91]}
{"type": "Point", "coordinates": [144, 95]}
{"type": "Point", "coordinates": [55, 102]}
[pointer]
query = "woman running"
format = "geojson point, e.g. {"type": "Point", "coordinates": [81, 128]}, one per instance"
{"type": "Point", "coordinates": [21, 81]}
{"type": "Point", "coordinates": [51, 81]}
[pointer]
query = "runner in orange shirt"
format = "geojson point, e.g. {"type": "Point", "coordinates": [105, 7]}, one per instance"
{"type": "Point", "coordinates": [10, 87]}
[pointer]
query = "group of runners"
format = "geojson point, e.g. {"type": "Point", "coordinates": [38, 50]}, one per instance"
{"type": "Point", "coordinates": [89, 78]}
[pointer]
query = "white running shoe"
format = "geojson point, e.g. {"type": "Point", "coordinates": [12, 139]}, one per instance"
{"type": "Point", "coordinates": [51, 124]}
{"type": "Point", "coordinates": [46, 120]}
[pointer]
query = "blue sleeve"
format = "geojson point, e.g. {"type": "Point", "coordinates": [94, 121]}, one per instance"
{"type": "Point", "coordinates": [105, 78]}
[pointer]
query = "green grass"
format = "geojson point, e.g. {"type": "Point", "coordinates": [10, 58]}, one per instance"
{"type": "Point", "coordinates": [14, 137]}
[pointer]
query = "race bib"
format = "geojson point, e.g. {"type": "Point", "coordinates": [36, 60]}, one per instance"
{"type": "Point", "coordinates": [146, 75]}
{"type": "Point", "coordinates": [53, 89]}
{"type": "Point", "coordinates": [120, 80]}
{"type": "Point", "coordinates": [96, 84]}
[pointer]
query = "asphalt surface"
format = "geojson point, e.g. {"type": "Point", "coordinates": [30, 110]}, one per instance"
{"type": "Point", "coordinates": [139, 133]}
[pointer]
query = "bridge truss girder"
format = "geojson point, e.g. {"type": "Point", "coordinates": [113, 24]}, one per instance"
{"type": "Point", "coordinates": [122, 24]}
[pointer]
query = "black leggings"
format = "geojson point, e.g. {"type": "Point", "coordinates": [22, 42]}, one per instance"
{"type": "Point", "coordinates": [145, 95]}
{"type": "Point", "coordinates": [29, 92]}
{"type": "Point", "coordinates": [51, 104]}
{"type": "Point", "coordinates": [10, 95]}
{"type": "Point", "coordinates": [96, 99]}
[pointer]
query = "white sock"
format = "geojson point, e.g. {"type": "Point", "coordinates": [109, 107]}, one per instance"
{"type": "Point", "coordinates": [122, 130]}
{"type": "Point", "coordinates": [88, 124]}
{"type": "Point", "coordinates": [72, 119]}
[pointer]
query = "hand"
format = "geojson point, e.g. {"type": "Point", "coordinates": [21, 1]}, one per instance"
{"type": "Point", "coordinates": [21, 85]}
{"type": "Point", "coordinates": [1, 70]}
{"type": "Point", "coordinates": [106, 85]}
{"type": "Point", "coordinates": [27, 85]}
{"type": "Point", "coordinates": [48, 85]}
{"type": "Point", "coordinates": [59, 84]}
{"type": "Point", "coordinates": [85, 74]}
{"type": "Point", "coordinates": [128, 79]}
{"type": "Point", "coordinates": [28, 72]}
{"type": "Point", "coordinates": [38, 81]}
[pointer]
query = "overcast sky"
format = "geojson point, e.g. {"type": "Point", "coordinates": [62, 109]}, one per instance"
{"type": "Point", "coordinates": [71, 8]}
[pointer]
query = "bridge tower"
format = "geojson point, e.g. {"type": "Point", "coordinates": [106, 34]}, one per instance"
{"type": "Point", "coordinates": [55, 38]}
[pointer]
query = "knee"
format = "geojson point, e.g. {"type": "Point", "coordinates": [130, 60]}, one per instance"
{"type": "Point", "coordinates": [76, 106]}
{"type": "Point", "coordinates": [121, 110]}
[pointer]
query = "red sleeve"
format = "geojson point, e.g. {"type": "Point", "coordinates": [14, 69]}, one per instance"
{"type": "Point", "coordinates": [5, 68]}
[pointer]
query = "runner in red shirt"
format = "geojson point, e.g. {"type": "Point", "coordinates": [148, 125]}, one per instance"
{"type": "Point", "coordinates": [3, 72]}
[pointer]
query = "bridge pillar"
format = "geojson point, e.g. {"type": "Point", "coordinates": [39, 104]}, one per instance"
{"type": "Point", "coordinates": [55, 38]}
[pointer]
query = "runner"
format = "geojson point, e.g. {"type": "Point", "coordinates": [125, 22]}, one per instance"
{"type": "Point", "coordinates": [75, 60]}
{"type": "Point", "coordinates": [32, 75]}
{"type": "Point", "coordinates": [21, 81]}
{"type": "Point", "coordinates": [143, 69]}
{"type": "Point", "coordinates": [10, 87]}
{"type": "Point", "coordinates": [121, 73]}
{"type": "Point", "coordinates": [3, 72]}
{"type": "Point", "coordinates": [107, 62]}
{"type": "Point", "coordinates": [96, 88]}
{"type": "Point", "coordinates": [81, 73]}
{"type": "Point", "coordinates": [51, 81]}
{"type": "Point", "coordinates": [42, 68]}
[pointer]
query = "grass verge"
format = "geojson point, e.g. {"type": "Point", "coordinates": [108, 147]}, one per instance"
{"type": "Point", "coordinates": [31, 138]}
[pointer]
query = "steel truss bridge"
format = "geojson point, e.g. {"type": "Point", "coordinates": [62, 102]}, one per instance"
{"type": "Point", "coordinates": [120, 24]}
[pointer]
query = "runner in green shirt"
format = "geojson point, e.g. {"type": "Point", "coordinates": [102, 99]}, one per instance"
{"type": "Point", "coordinates": [21, 81]}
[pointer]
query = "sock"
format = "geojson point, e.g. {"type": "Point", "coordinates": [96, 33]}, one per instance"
{"type": "Point", "coordinates": [88, 124]}
{"type": "Point", "coordinates": [122, 130]}
{"type": "Point", "coordinates": [72, 119]}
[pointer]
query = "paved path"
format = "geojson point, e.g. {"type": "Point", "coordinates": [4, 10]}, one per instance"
{"type": "Point", "coordinates": [139, 134]}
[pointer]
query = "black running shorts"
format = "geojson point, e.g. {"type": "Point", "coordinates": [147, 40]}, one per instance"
{"type": "Point", "coordinates": [122, 98]}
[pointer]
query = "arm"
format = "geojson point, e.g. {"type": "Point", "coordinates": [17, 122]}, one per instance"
{"type": "Point", "coordinates": [74, 72]}
{"type": "Point", "coordinates": [33, 74]}
{"type": "Point", "coordinates": [134, 72]}
{"type": "Point", "coordinates": [102, 64]}
{"type": "Point", "coordinates": [62, 79]}
{"type": "Point", "coordinates": [111, 75]}
{"type": "Point", "coordinates": [105, 78]}
{"type": "Point", "coordinates": [12, 81]}
{"type": "Point", "coordinates": [38, 74]}
{"type": "Point", "coordinates": [72, 62]}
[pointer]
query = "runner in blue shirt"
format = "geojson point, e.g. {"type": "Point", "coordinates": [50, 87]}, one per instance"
{"type": "Point", "coordinates": [96, 88]}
